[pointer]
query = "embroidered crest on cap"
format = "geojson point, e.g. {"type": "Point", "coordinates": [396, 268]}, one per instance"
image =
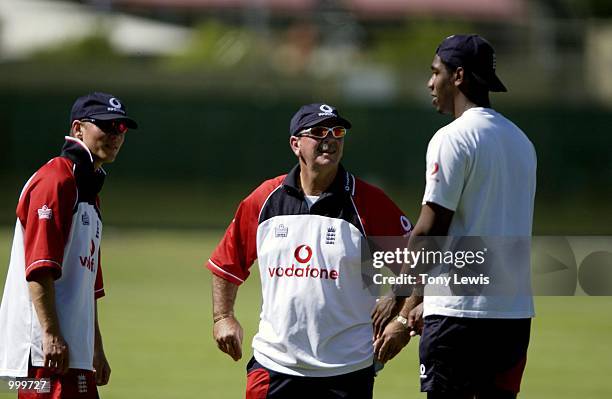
{"type": "Point", "coordinates": [326, 110]}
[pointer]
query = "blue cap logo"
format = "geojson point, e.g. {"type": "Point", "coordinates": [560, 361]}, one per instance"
{"type": "Point", "coordinates": [310, 115]}
{"type": "Point", "coordinates": [326, 110]}
{"type": "Point", "coordinates": [114, 103]}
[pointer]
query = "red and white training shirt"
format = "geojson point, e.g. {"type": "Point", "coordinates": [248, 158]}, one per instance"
{"type": "Point", "coordinates": [315, 317]}
{"type": "Point", "coordinates": [58, 228]}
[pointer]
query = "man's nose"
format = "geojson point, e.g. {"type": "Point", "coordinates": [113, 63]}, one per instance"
{"type": "Point", "coordinates": [117, 137]}
{"type": "Point", "coordinates": [329, 138]}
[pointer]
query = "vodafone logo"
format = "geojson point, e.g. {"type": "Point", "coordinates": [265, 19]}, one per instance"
{"type": "Point", "coordinates": [436, 168]}
{"type": "Point", "coordinates": [422, 371]}
{"type": "Point", "coordinates": [299, 251]}
{"type": "Point", "coordinates": [89, 262]}
{"type": "Point", "coordinates": [303, 269]}
{"type": "Point", "coordinates": [406, 225]}
{"type": "Point", "coordinates": [434, 171]}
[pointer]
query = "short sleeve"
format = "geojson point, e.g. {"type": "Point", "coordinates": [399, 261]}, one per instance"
{"type": "Point", "coordinates": [45, 210]}
{"type": "Point", "coordinates": [385, 224]}
{"type": "Point", "coordinates": [380, 216]}
{"type": "Point", "coordinates": [237, 250]}
{"type": "Point", "coordinates": [447, 162]}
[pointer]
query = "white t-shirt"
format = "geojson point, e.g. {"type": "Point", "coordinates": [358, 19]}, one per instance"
{"type": "Point", "coordinates": [483, 167]}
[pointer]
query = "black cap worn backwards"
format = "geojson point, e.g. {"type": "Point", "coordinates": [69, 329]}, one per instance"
{"type": "Point", "coordinates": [100, 106]}
{"type": "Point", "coordinates": [312, 114]}
{"type": "Point", "coordinates": [475, 55]}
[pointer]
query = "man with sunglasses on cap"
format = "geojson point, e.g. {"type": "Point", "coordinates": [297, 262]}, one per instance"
{"type": "Point", "coordinates": [480, 181]}
{"type": "Point", "coordinates": [48, 319]}
{"type": "Point", "coordinates": [304, 228]}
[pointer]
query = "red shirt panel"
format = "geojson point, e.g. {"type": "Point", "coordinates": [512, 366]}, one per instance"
{"type": "Point", "coordinates": [45, 210]}
{"type": "Point", "coordinates": [237, 250]}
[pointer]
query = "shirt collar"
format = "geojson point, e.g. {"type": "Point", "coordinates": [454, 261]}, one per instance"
{"type": "Point", "coordinates": [77, 151]}
{"type": "Point", "coordinates": [342, 182]}
{"type": "Point", "coordinates": [87, 178]}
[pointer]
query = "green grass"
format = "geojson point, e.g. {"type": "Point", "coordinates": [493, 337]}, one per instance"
{"type": "Point", "coordinates": [193, 204]}
{"type": "Point", "coordinates": [156, 323]}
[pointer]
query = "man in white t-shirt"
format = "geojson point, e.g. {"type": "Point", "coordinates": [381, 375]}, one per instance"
{"type": "Point", "coordinates": [480, 181]}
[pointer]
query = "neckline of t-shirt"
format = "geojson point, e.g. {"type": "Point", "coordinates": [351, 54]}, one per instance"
{"type": "Point", "coordinates": [480, 109]}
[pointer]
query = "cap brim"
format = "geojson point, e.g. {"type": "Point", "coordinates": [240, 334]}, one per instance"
{"type": "Point", "coordinates": [338, 119]}
{"type": "Point", "coordinates": [131, 123]}
{"type": "Point", "coordinates": [492, 82]}
{"type": "Point", "coordinates": [496, 85]}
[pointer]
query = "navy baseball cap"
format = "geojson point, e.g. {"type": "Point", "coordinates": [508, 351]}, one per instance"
{"type": "Point", "coordinates": [312, 114]}
{"type": "Point", "coordinates": [473, 53]}
{"type": "Point", "coordinates": [100, 106]}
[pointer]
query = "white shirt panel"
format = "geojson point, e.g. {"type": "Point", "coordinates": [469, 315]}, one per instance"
{"type": "Point", "coordinates": [21, 336]}
{"type": "Point", "coordinates": [16, 317]}
{"type": "Point", "coordinates": [312, 326]}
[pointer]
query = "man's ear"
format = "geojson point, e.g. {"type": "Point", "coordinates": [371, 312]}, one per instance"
{"type": "Point", "coordinates": [459, 76]}
{"type": "Point", "coordinates": [294, 143]}
{"type": "Point", "coordinates": [76, 129]}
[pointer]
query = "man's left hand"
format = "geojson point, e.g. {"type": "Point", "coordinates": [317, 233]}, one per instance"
{"type": "Point", "coordinates": [101, 367]}
{"type": "Point", "coordinates": [415, 320]}
{"type": "Point", "coordinates": [391, 341]}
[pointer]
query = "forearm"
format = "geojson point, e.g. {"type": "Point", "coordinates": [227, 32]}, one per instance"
{"type": "Point", "coordinates": [97, 335]}
{"type": "Point", "coordinates": [55, 349]}
{"type": "Point", "coordinates": [434, 221]}
{"type": "Point", "coordinates": [410, 303]}
{"type": "Point", "coordinates": [223, 297]}
{"type": "Point", "coordinates": [42, 293]}
{"type": "Point", "coordinates": [100, 363]}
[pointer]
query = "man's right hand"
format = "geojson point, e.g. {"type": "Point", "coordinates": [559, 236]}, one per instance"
{"type": "Point", "coordinates": [228, 335]}
{"type": "Point", "coordinates": [55, 348]}
{"type": "Point", "coordinates": [55, 351]}
{"type": "Point", "coordinates": [383, 312]}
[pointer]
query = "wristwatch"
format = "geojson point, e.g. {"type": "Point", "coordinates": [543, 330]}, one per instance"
{"type": "Point", "coordinates": [403, 321]}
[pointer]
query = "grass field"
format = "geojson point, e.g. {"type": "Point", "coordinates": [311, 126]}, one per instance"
{"type": "Point", "coordinates": [156, 323]}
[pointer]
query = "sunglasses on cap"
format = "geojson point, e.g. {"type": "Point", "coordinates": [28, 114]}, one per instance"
{"type": "Point", "coordinates": [114, 126]}
{"type": "Point", "coordinates": [320, 132]}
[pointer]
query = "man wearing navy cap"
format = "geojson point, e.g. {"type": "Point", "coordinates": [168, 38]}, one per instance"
{"type": "Point", "coordinates": [304, 228]}
{"type": "Point", "coordinates": [480, 181]}
{"type": "Point", "coordinates": [48, 319]}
